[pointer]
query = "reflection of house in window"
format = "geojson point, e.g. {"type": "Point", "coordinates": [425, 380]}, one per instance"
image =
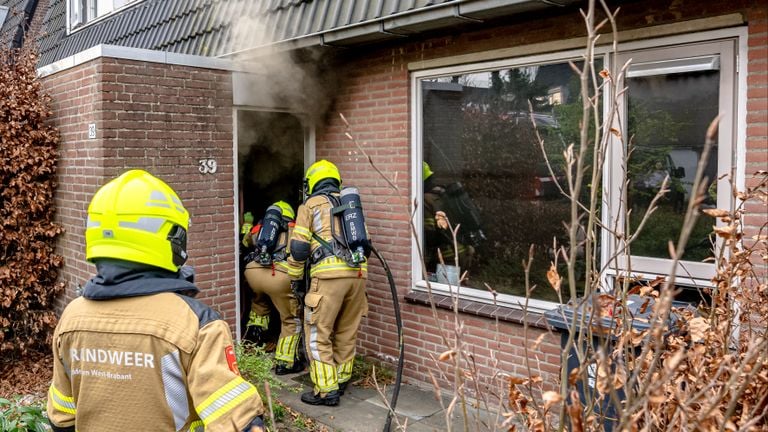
{"type": "Point", "coordinates": [555, 96]}
{"type": "Point", "coordinates": [477, 132]}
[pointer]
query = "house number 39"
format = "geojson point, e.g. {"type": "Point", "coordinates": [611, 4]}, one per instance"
{"type": "Point", "coordinates": [207, 166]}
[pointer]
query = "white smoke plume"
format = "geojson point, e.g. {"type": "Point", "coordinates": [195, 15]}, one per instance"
{"type": "Point", "coordinates": [299, 81]}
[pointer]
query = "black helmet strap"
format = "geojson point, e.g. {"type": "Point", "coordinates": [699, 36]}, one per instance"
{"type": "Point", "coordinates": [178, 238]}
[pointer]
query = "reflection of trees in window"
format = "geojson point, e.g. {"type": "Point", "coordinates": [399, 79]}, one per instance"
{"type": "Point", "coordinates": [493, 151]}
{"type": "Point", "coordinates": [478, 130]}
{"type": "Point", "coordinates": [667, 118]}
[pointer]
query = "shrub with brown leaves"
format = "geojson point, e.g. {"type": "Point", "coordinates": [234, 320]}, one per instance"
{"type": "Point", "coordinates": [713, 374]}
{"type": "Point", "coordinates": [28, 263]}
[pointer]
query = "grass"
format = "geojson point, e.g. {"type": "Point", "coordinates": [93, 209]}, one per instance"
{"type": "Point", "coordinates": [255, 365]}
{"type": "Point", "coordinates": [363, 371]}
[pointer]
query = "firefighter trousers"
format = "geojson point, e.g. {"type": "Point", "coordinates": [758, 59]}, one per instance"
{"type": "Point", "coordinates": [266, 282]}
{"type": "Point", "coordinates": [333, 309]}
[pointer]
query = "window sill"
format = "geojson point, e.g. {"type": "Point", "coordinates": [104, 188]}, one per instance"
{"type": "Point", "coordinates": [502, 313]}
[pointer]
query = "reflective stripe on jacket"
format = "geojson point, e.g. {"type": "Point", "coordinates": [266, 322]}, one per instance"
{"type": "Point", "coordinates": [161, 362]}
{"type": "Point", "coordinates": [314, 217]}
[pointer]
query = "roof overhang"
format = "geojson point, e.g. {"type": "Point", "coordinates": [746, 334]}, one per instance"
{"type": "Point", "coordinates": [406, 24]}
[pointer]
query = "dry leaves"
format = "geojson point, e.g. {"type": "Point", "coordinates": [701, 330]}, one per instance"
{"type": "Point", "coordinates": [29, 265]}
{"type": "Point", "coordinates": [698, 328]}
{"type": "Point", "coordinates": [554, 278]}
{"type": "Point", "coordinates": [441, 220]}
{"type": "Point", "coordinates": [551, 398]}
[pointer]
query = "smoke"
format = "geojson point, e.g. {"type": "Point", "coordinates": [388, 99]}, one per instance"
{"type": "Point", "coordinates": [302, 81]}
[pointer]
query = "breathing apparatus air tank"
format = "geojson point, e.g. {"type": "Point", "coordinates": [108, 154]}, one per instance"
{"type": "Point", "coordinates": [459, 203]}
{"type": "Point", "coordinates": [266, 240]}
{"type": "Point", "coordinates": [353, 224]}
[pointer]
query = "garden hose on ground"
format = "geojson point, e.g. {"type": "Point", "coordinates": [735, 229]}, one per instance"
{"type": "Point", "coordinates": [401, 347]}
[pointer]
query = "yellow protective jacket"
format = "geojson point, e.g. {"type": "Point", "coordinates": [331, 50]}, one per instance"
{"type": "Point", "coordinates": [137, 353]}
{"type": "Point", "coordinates": [314, 217]}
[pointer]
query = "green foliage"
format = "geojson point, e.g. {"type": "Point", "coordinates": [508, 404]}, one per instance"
{"type": "Point", "coordinates": [20, 416]}
{"type": "Point", "coordinates": [363, 371]}
{"type": "Point", "coordinates": [300, 423]}
{"type": "Point", "coordinates": [255, 365]}
{"type": "Point", "coordinates": [664, 225]}
{"type": "Point", "coordinates": [28, 262]}
{"type": "Point", "coordinates": [279, 411]}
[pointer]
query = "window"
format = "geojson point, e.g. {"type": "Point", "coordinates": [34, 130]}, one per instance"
{"type": "Point", "coordinates": [473, 130]}
{"type": "Point", "coordinates": [3, 14]}
{"type": "Point", "coordinates": [485, 170]}
{"type": "Point", "coordinates": [82, 12]}
{"type": "Point", "coordinates": [672, 96]}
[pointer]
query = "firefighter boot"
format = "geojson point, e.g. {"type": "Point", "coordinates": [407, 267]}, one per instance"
{"type": "Point", "coordinates": [312, 398]}
{"type": "Point", "coordinates": [284, 369]}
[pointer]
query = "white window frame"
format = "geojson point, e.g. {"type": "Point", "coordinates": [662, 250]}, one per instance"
{"type": "Point", "coordinates": [71, 30]}
{"type": "Point", "coordinates": [535, 305]}
{"type": "Point", "coordinates": [731, 150]}
{"type": "Point", "coordinates": [3, 15]}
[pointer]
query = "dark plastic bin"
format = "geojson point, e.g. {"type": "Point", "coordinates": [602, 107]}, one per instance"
{"type": "Point", "coordinates": [561, 319]}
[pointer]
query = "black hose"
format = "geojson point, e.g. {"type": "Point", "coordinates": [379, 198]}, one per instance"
{"type": "Point", "coordinates": [401, 346]}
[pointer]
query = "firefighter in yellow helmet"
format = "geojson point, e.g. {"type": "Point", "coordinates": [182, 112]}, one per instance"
{"type": "Point", "coordinates": [268, 274]}
{"type": "Point", "coordinates": [437, 236]}
{"type": "Point", "coordinates": [335, 301]}
{"type": "Point", "coordinates": [136, 351]}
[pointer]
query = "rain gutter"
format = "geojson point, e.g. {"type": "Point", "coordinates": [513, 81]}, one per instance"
{"type": "Point", "coordinates": [404, 24]}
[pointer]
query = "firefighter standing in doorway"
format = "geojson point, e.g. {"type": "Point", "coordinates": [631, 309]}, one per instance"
{"type": "Point", "coordinates": [336, 300]}
{"type": "Point", "coordinates": [269, 275]}
{"type": "Point", "coordinates": [136, 351]}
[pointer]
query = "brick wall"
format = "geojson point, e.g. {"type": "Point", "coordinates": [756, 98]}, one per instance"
{"type": "Point", "coordinates": [757, 121]}
{"type": "Point", "coordinates": [374, 97]}
{"type": "Point", "coordinates": [163, 119]}
{"type": "Point", "coordinates": [75, 99]}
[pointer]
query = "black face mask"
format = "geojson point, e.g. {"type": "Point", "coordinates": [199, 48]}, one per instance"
{"type": "Point", "coordinates": [178, 239]}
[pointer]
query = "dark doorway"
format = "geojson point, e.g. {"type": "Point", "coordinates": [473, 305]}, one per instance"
{"type": "Point", "coordinates": [270, 158]}
{"type": "Point", "coordinates": [270, 168]}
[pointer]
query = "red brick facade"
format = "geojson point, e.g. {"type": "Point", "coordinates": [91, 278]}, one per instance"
{"type": "Point", "coordinates": [161, 118]}
{"type": "Point", "coordinates": [375, 100]}
{"type": "Point", "coordinates": [164, 118]}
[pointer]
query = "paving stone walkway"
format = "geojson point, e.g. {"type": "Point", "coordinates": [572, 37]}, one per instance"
{"type": "Point", "coordinates": [363, 409]}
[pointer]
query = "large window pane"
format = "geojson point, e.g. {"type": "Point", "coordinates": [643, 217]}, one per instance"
{"type": "Point", "coordinates": [668, 119]}
{"type": "Point", "coordinates": [483, 157]}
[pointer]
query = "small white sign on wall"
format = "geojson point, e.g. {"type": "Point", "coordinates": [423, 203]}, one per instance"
{"type": "Point", "coordinates": [91, 130]}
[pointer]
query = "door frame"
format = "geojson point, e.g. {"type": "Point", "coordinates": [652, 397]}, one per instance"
{"type": "Point", "coordinates": [309, 155]}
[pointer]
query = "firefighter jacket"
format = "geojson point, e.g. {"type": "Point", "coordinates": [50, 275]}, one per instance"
{"type": "Point", "coordinates": [282, 251]}
{"type": "Point", "coordinates": [314, 218]}
{"type": "Point", "coordinates": [435, 236]}
{"type": "Point", "coordinates": [136, 352]}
